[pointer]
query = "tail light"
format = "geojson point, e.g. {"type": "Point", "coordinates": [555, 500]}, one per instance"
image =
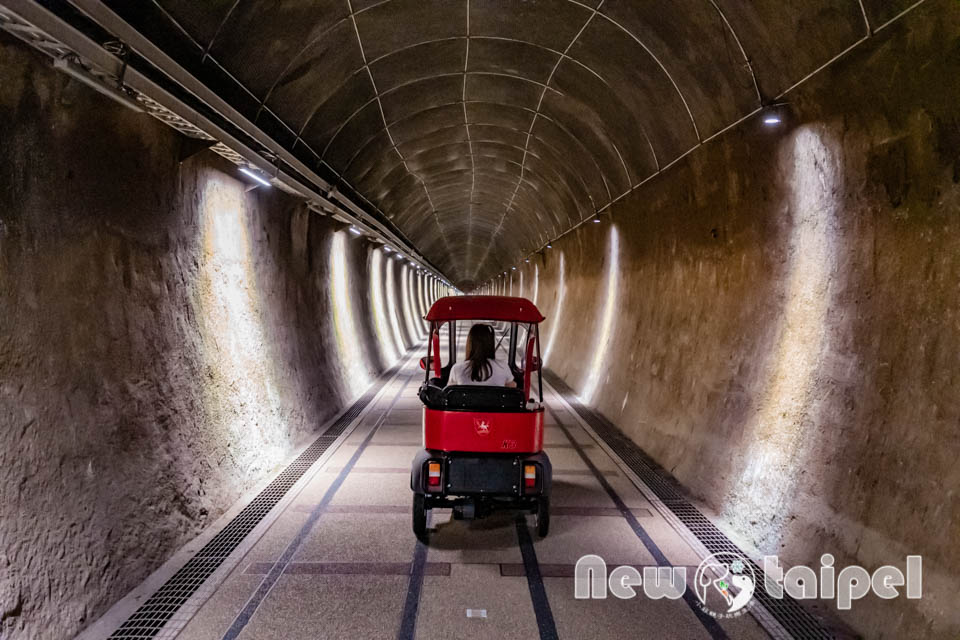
{"type": "Point", "coordinates": [529, 476]}
{"type": "Point", "coordinates": [433, 476]}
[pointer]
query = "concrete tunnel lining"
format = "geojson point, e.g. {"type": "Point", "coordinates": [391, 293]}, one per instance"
{"type": "Point", "coordinates": [803, 275]}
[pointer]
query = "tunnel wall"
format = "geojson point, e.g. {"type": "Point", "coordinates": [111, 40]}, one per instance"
{"type": "Point", "coordinates": [169, 339]}
{"type": "Point", "coordinates": [775, 320]}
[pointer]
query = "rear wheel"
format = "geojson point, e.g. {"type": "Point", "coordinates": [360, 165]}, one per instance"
{"type": "Point", "coordinates": [543, 517]}
{"type": "Point", "coordinates": [420, 517]}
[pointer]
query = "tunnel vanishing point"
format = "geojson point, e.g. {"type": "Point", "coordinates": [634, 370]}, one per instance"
{"type": "Point", "coordinates": [223, 223]}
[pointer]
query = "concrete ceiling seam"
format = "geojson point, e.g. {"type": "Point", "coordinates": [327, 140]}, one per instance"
{"type": "Point", "coordinates": [403, 85]}
{"type": "Point", "coordinates": [663, 67]}
{"type": "Point", "coordinates": [432, 175]}
{"type": "Point", "coordinates": [373, 83]}
{"type": "Point", "coordinates": [533, 122]}
{"type": "Point", "coordinates": [373, 137]}
{"type": "Point", "coordinates": [563, 129]}
{"type": "Point", "coordinates": [213, 39]}
{"type": "Point", "coordinates": [468, 254]}
{"type": "Point", "coordinates": [743, 52]}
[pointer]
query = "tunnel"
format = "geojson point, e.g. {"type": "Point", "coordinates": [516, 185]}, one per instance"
{"type": "Point", "coordinates": [244, 246]}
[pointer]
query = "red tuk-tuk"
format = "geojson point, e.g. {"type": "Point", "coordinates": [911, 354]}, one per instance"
{"type": "Point", "coordinates": [483, 445]}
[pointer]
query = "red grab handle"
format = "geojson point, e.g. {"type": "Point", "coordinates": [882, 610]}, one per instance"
{"type": "Point", "coordinates": [437, 369]}
{"type": "Point", "coordinates": [528, 367]}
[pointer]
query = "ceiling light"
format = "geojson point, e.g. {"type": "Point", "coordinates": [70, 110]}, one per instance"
{"type": "Point", "coordinates": [256, 176]}
{"type": "Point", "coordinates": [387, 249]}
{"type": "Point", "coordinates": [773, 114]}
{"type": "Point", "coordinates": [549, 246]}
{"type": "Point", "coordinates": [513, 268]}
{"type": "Point", "coordinates": [596, 220]}
{"type": "Point", "coordinates": [527, 260]}
{"type": "Point", "coordinates": [355, 231]}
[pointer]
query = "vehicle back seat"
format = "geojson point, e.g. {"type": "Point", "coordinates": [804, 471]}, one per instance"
{"type": "Point", "coordinates": [472, 398]}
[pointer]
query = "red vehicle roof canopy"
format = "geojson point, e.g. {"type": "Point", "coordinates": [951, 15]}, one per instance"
{"type": "Point", "coordinates": [502, 308]}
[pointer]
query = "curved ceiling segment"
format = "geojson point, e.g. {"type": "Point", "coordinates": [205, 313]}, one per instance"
{"type": "Point", "coordinates": [483, 129]}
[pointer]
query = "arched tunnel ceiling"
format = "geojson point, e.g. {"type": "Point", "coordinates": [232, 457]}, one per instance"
{"type": "Point", "coordinates": [485, 128]}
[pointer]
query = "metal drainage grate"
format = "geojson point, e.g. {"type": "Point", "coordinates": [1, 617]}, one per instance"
{"type": "Point", "coordinates": [796, 620]}
{"type": "Point", "coordinates": [159, 608]}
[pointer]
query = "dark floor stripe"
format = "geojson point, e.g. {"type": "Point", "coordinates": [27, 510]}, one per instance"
{"type": "Point", "coordinates": [582, 472]}
{"type": "Point", "coordinates": [518, 570]}
{"type": "Point", "coordinates": [372, 470]}
{"type": "Point", "coordinates": [267, 584]}
{"type": "Point", "coordinates": [538, 594]}
{"type": "Point", "coordinates": [362, 509]}
{"type": "Point", "coordinates": [411, 607]}
{"type": "Point", "coordinates": [596, 512]}
{"type": "Point", "coordinates": [351, 568]}
{"type": "Point", "coordinates": [709, 622]}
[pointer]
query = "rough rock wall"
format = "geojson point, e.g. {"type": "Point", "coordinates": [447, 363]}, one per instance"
{"type": "Point", "coordinates": [775, 320]}
{"type": "Point", "coordinates": [166, 340]}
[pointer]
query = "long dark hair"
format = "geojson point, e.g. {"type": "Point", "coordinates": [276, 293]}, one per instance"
{"type": "Point", "coordinates": [480, 351]}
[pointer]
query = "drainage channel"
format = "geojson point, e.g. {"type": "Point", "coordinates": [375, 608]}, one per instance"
{"type": "Point", "coordinates": [158, 610]}
{"type": "Point", "coordinates": [794, 619]}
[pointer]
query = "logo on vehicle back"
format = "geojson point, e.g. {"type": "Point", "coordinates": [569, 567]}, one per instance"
{"type": "Point", "coordinates": [482, 427]}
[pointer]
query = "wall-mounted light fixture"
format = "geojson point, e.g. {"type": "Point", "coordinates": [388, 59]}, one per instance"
{"type": "Point", "coordinates": [250, 173]}
{"type": "Point", "coordinates": [774, 114]}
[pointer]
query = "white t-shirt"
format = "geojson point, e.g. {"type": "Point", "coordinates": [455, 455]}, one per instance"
{"type": "Point", "coordinates": [499, 374]}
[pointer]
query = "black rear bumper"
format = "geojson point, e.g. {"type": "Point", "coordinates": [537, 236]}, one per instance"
{"type": "Point", "coordinates": [475, 475]}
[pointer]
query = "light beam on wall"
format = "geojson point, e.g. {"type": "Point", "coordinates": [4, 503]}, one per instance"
{"type": "Point", "coordinates": [352, 358]}
{"type": "Point", "coordinates": [536, 282]}
{"type": "Point", "coordinates": [601, 346]}
{"type": "Point", "coordinates": [779, 433]}
{"type": "Point", "coordinates": [393, 311]}
{"type": "Point", "coordinates": [407, 300]}
{"type": "Point", "coordinates": [381, 323]}
{"type": "Point", "coordinates": [557, 312]}
{"type": "Point", "coordinates": [240, 393]}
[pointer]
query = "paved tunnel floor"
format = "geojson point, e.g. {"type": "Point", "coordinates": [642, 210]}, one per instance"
{"type": "Point", "coordinates": [338, 560]}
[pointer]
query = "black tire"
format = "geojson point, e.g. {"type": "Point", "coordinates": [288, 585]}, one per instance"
{"type": "Point", "coordinates": [420, 517]}
{"type": "Point", "coordinates": [543, 517]}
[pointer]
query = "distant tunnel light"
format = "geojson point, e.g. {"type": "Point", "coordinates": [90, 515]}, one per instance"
{"type": "Point", "coordinates": [256, 176]}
